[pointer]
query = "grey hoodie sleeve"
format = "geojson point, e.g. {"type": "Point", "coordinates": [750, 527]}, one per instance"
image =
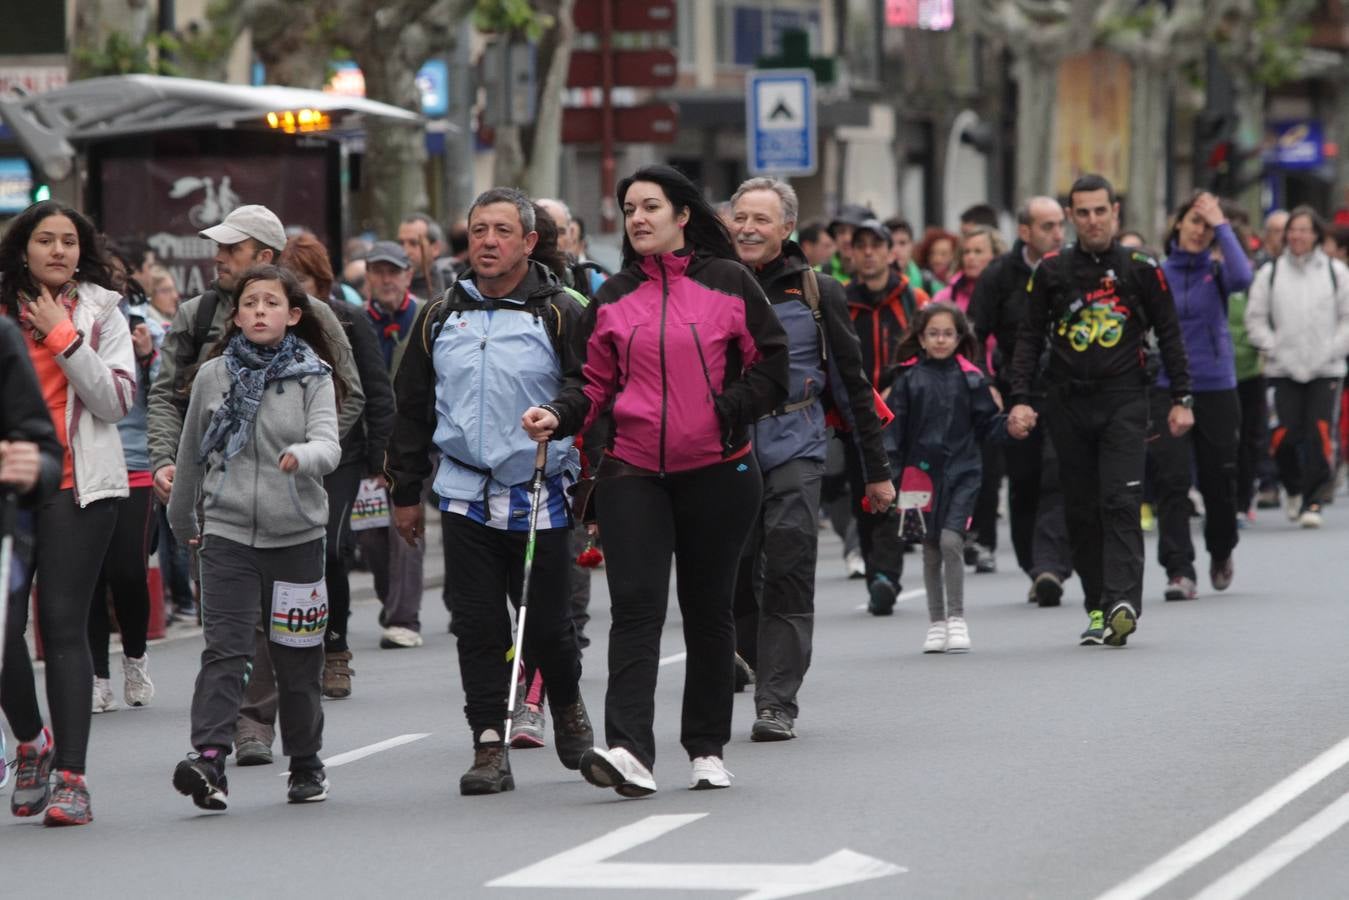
{"type": "Point", "coordinates": [320, 452]}
{"type": "Point", "coordinates": [182, 511]}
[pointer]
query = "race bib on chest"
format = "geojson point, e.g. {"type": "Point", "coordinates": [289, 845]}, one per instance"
{"type": "Point", "coordinates": [299, 613]}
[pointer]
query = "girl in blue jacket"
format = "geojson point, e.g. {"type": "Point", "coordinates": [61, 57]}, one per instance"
{"type": "Point", "coordinates": [944, 409]}
{"type": "Point", "coordinates": [1201, 284]}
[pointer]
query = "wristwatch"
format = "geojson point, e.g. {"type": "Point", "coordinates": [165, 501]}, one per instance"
{"type": "Point", "coordinates": [1186, 401]}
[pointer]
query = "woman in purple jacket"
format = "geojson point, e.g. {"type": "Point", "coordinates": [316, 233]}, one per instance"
{"type": "Point", "coordinates": [685, 353]}
{"type": "Point", "coordinates": [1201, 281]}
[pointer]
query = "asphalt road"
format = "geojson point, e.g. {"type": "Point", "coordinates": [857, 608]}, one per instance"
{"type": "Point", "coordinates": [1209, 758]}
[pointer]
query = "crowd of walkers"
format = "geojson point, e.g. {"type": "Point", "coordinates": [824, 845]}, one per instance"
{"type": "Point", "coordinates": [742, 375]}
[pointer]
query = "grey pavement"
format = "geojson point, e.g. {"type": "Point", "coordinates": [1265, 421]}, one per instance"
{"type": "Point", "coordinates": [1029, 767]}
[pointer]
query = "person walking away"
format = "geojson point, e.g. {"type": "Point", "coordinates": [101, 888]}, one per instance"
{"type": "Point", "coordinates": [882, 304]}
{"type": "Point", "coordinates": [945, 410]}
{"type": "Point", "coordinates": [362, 450]}
{"type": "Point", "coordinates": [1093, 304]}
{"type": "Point", "coordinates": [1201, 286]}
{"type": "Point", "coordinates": [259, 435]}
{"type": "Point", "coordinates": [1298, 316]}
{"type": "Point", "coordinates": [30, 467]}
{"type": "Point", "coordinates": [1034, 497]}
{"type": "Point", "coordinates": [979, 245]}
{"type": "Point", "coordinates": [54, 281]}
{"type": "Point", "coordinates": [775, 587]}
{"type": "Point", "coordinates": [506, 334]}
{"type": "Point", "coordinates": [687, 334]}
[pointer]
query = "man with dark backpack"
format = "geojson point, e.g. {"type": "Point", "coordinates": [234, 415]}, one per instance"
{"type": "Point", "coordinates": [249, 236]}
{"type": "Point", "coordinates": [505, 336]}
{"type": "Point", "coordinates": [775, 589]}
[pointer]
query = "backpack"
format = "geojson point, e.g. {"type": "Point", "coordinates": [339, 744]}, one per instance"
{"type": "Point", "coordinates": [580, 276]}
{"type": "Point", "coordinates": [188, 356]}
{"type": "Point", "coordinates": [810, 289]}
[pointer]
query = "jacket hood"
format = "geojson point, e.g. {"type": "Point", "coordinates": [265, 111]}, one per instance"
{"type": "Point", "coordinates": [791, 261]}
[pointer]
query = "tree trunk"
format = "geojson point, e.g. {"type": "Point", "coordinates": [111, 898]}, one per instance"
{"type": "Point", "coordinates": [1036, 77]}
{"type": "Point", "coordinates": [543, 175]}
{"type": "Point", "coordinates": [1144, 203]}
{"type": "Point", "coordinates": [393, 180]}
{"type": "Point", "coordinates": [508, 168]}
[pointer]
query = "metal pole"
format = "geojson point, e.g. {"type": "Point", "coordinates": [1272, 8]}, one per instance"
{"type": "Point", "coordinates": [608, 206]}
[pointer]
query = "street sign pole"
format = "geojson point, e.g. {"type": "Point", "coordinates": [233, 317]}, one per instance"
{"type": "Point", "coordinates": [780, 122]}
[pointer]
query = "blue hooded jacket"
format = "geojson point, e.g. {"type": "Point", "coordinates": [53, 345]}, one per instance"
{"type": "Point", "coordinates": [1201, 305]}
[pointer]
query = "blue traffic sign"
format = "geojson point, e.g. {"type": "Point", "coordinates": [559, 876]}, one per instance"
{"type": "Point", "coordinates": [780, 122]}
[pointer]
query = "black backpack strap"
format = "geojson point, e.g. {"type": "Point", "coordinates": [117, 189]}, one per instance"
{"type": "Point", "coordinates": [810, 289]}
{"type": "Point", "coordinates": [201, 330]}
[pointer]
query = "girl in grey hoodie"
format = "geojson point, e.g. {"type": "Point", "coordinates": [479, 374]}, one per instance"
{"type": "Point", "coordinates": [259, 435]}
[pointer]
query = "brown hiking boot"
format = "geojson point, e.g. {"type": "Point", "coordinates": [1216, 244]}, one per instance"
{"type": "Point", "coordinates": [490, 772]}
{"type": "Point", "coordinates": [572, 733]}
{"type": "Point", "coordinates": [337, 674]}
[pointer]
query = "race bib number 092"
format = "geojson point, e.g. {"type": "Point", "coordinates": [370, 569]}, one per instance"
{"type": "Point", "coordinates": [299, 614]}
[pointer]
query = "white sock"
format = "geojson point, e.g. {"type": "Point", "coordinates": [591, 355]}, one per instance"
{"type": "Point", "coordinates": [489, 736]}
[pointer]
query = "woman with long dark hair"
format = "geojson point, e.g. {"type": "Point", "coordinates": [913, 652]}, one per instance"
{"type": "Point", "coordinates": [55, 281]}
{"type": "Point", "coordinates": [1201, 286]}
{"type": "Point", "coordinates": [685, 345]}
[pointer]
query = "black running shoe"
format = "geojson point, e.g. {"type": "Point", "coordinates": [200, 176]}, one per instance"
{"type": "Point", "coordinates": [203, 780]}
{"type": "Point", "coordinates": [307, 786]}
{"type": "Point", "coordinates": [772, 725]}
{"type": "Point", "coordinates": [1121, 623]}
{"type": "Point", "coordinates": [883, 595]}
{"type": "Point", "coordinates": [1047, 590]}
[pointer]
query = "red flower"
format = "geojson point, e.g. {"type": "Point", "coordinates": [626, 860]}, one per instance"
{"type": "Point", "coordinates": [590, 557]}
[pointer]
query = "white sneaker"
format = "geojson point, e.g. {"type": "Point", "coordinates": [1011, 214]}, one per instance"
{"type": "Point", "coordinates": [617, 768]}
{"type": "Point", "coordinates": [709, 773]}
{"type": "Point", "coordinates": [137, 688]}
{"type": "Point", "coordinates": [1310, 519]}
{"type": "Point", "coordinates": [936, 638]}
{"type": "Point", "coordinates": [856, 565]}
{"type": "Point", "coordinates": [397, 637]}
{"type": "Point", "coordinates": [957, 635]}
{"type": "Point", "coordinates": [1293, 507]}
{"type": "Point", "coordinates": [104, 701]}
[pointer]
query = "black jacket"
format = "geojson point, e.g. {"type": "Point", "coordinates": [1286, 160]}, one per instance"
{"type": "Point", "coordinates": [881, 319]}
{"type": "Point", "coordinates": [1095, 311]}
{"type": "Point", "coordinates": [23, 412]}
{"type": "Point", "coordinates": [849, 390]}
{"type": "Point", "coordinates": [366, 440]}
{"type": "Point", "coordinates": [998, 307]}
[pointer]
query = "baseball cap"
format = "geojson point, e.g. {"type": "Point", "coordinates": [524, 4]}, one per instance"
{"type": "Point", "coordinates": [872, 227]}
{"type": "Point", "coordinates": [853, 214]}
{"type": "Point", "coordinates": [389, 252]}
{"type": "Point", "coordinates": [252, 221]}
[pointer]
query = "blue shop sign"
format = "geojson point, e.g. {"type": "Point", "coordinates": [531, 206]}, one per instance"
{"type": "Point", "coordinates": [1298, 144]}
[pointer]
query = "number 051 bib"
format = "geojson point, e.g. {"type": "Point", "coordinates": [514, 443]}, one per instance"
{"type": "Point", "coordinates": [299, 613]}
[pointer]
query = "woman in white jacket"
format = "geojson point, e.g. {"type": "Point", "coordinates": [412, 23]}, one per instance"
{"type": "Point", "coordinates": [1298, 316]}
{"type": "Point", "coordinates": [54, 282]}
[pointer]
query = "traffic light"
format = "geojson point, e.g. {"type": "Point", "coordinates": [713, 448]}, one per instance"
{"type": "Point", "coordinates": [41, 192]}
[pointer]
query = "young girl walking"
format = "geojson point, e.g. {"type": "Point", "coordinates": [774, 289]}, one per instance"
{"type": "Point", "coordinates": [260, 434]}
{"type": "Point", "coordinates": [944, 409]}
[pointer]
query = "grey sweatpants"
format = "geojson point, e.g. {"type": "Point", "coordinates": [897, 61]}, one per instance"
{"type": "Point", "coordinates": [236, 594]}
{"type": "Point", "coordinates": [944, 566]}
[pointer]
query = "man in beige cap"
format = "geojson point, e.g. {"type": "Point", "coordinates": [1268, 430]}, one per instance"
{"type": "Point", "coordinates": [250, 236]}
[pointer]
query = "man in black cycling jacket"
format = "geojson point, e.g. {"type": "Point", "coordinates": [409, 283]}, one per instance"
{"type": "Point", "coordinates": [1094, 302]}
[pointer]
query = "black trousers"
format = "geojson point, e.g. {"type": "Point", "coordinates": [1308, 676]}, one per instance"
{"type": "Point", "coordinates": [1099, 439]}
{"type": "Point", "coordinates": [701, 518]}
{"type": "Point", "coordinates": [775, 588]}
{"type": "Point", "coordinates": [1254, 443]}
{"type": "Point", "coordinates": [877, 533]}
{"type": "Point", "coordinates": [984, 522]}
{"type": "Point", "coordinates": [488, 571]}
{"type": "Point", "coordinates": [1303, 444]}
{"type": "Point", "coordinates": [341, 486]}
{"type": "Point", "coordinates": [70, 546]}
{"type": "Point", "coordinates": [1207, 457]}
{"type": "Point", "coordinates": [124, 574]}
{"type": "Point", "coordinates": [1035, 505]}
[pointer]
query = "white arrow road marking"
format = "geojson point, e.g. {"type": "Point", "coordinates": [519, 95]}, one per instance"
{"type": "Point", "coordinates": [351, 756]}
{"type": "Point", "coordinates": [587, 866]}
{"type": "Point", "coordinates": [674, 658]}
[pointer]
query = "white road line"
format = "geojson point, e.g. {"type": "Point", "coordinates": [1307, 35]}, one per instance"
{"type": "Point", "coordinates": [1255, 871]}
{"type": "Point", "coordinates": [1218, 836]}
{"type": "Point", "coordinates": [673, 658]}
{"type": "Point", "coordinates": [907, 595]}
{"type": "Point", "coordinates": [351, 756]}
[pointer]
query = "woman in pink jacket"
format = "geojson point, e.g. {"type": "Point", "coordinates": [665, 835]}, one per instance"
{"type": "Point", "coordinates": [684, 352]}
